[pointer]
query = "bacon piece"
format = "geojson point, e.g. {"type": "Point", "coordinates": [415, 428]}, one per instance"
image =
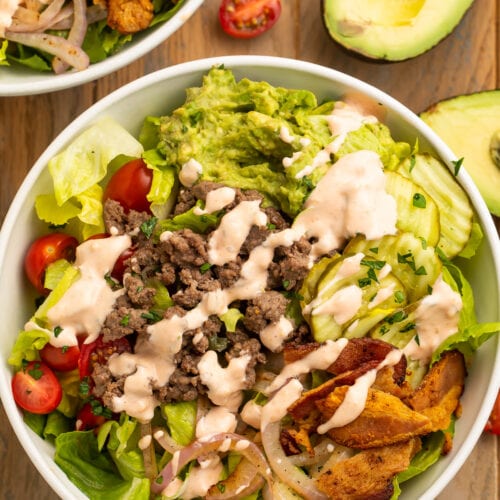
{"type": "Point", "coordinates": [358, 352]}
{"type": "Point", "coordinates": [438, 395]}
{"type": "Point", "coordinates": [384, 420]}
{"type": "Point", "coordinates": [368, 475]}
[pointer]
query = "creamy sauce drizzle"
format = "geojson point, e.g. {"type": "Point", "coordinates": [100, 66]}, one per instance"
{"type": "Point", "coordinates": [349, 199]}
{"type": "Point", "coordinates": [87, 302]}
{"type": "Point", "coordinates": [276, 408]}
{"type": "Point", "coordinates": [320, 359]}
{"type": "Point", "coordinates": [218, 420]}
{"type": "Point", "coordinates": [225, 242]}
{"type": "Point", "coordinates": [355, 398]}
{"type": "Point", "coordinates": [273, 335]}
{"type": "Point", "coordinates": [224, 384]}
{"type": "Point", "coordinates": [190, 172]}
{"type": "Point", "coordinates": [342, 305]}
{"type": "Point", "coordinates": [216, 200]}
{"type": "Point", "coordinates": [436, 319]}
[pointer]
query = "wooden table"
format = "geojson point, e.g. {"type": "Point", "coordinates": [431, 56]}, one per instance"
{"type": "Point", "coordinates": [466, 61]}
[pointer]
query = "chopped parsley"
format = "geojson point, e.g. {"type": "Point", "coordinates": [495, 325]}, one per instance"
{"type": "Point", "coordinates": [408, 327]}
{"type": "Point", "coordinates": [152, 316]}
{"type": "Point", "coordinates": [396, 317]}
{"type": "Point", "coordinates": [271, 226]}
{"type": "Point", "coordinates": [36, 372]}
{"type": "Point", "coordinates": [419, 200]}
{"type": "Point", "coordinates": [148, 226]}
{"type": "Point", "coordinates": [399, 296]}
{"type": "Point", "coordinates": [205, 267]}
{"type": "Point", "coordinates": [417, 339]}
{"type": "Point", "coordinates": [457, 165]}
{"type": "Point", "coordinates": [57, 331]}
{"type": "Point", "coordinates": [98, 409]}
{"type": "Point", "coordinates": [84, 387]}
{"type": "Point", "coordinates": [125, 320]}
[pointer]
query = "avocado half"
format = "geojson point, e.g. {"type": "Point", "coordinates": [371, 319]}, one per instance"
{"type": "Point", "coordinates": [470, 125]}
{"type": "Point", "coordinates": [391, 30]}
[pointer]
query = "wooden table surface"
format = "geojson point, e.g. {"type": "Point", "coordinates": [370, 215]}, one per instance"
{"type": "Point", "coordinates": [466, 61]}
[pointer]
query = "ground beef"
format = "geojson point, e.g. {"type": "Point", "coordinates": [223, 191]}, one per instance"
{"type": "Point", "coordinates": [229, 273]}
{"type": "Point", "coordinates": [266, 308]}
{"type": "Point", "coordinates": [137, 291]}
{"type": "Point", "coordinates": [115, 218]}
{"type": "Point", "coordinates": [186, 248]}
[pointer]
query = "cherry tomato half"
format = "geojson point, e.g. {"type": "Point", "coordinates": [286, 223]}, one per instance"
{"type": "Point", "coordinates": [493, 424]}
{"type": "Point", "coordinates": [119, 268]}
{"type": "Point", "coordinates": [36, 388]}
{"type": "Point", "coordinates": [62, 359]}
{"type": "Point", "coordinates": [45, 250]}
{"type": "Point", "coordinates": [130, 186]}
{"type": "Point", "coordinates": [86, 418]}
{"type": "Point", "coordinates": [98, 352]}
{"type": "Point", "coordinates": [248, 18]}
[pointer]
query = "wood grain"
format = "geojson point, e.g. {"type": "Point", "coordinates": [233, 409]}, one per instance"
{"type": "Point", "coordinates": [466, 61]}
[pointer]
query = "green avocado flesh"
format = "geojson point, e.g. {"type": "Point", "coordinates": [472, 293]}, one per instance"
{"type": "Point", "coordinates": [470, 125]}
{"type": "Point", "coordinates": [392, 30]}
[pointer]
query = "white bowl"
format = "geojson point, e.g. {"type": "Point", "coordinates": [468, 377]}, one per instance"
{"type": "Point", "coordinates": [159, 93]}
{"type": "Point", "coordinates": [16, 80]}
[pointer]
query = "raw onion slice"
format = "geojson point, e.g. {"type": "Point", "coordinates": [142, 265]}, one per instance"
{"type": "Point", "coordinates": [43, 20]}
{"type": "Point", "coordinates": [216, 442]}
{"type": "Point", "coordinates": [76, 34]}
{"type": "Point", "coordinates": [286, 471]}
{"type": "Point", "coordinates": [54, 45]}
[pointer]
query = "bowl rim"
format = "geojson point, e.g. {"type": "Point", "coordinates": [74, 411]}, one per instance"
{"type": "Point", "coordinates": [45, 82]}
{"type": "Point", "coordinates": [242, 62]}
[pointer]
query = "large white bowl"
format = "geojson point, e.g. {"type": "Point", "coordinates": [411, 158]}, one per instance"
{"type": "Point", "coordinates": [18, 80]}
{"type": "Point", "coordinates": [159, 93]}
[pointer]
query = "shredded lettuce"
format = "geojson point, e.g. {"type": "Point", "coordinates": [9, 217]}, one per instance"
{"type": "Point", "coordinates": [181, 420]}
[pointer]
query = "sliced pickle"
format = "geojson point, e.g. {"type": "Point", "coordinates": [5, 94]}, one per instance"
{"type": "Point", "coordinates": [455, 209]}
{"type": "Point", "coordinates": [417, 211]}
{"type": "Point", "coordinates": [369, 281]}
{"type": "Point", "coordinates": [398, 328]}
{"type": "Point", "coordinates": [413, 262]}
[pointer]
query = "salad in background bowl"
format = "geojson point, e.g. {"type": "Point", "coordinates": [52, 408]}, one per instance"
{"type": "Point", "coordinates": [241, 154]}
{"type": "Point", "coordinates": [48, 48]}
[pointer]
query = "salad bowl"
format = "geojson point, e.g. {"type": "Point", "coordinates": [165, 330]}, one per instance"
{"type": "Point", "coordinates": [17, 80]}
{"type": "Point", "coordinates": [161, 92]}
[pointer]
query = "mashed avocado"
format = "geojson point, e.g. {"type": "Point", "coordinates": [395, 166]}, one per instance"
{"type": "Point", "coordinates": [240, 132]}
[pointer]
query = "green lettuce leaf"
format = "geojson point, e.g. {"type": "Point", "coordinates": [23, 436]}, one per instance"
{"type": "Point", "coordinates": [3, 53]}
{"type": "Point", "coordinates": [231, 318]}
{"type": "Point", "coordinates": [181, 420]}
{"type": "Point", "coordinates": [26, 347]}
{"type": "Point", "coordinates": [56, 424]}
{"type": "Point", "coordinates": [54, 273]}
{"type": "Point", "coordinates": [94, 472]}
{"type": "Point", "coordinates": [189, 220]}
{"type": "Point", "coordinates": [35, 422]}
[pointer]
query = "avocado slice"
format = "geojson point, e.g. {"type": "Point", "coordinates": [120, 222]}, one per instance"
{"type": "Point", "coordinates": [470, 125]}
{"type": "Point", "coordinates": [391, 30]}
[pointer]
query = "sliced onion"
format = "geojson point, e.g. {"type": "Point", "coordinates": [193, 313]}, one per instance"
{"type": "Point", "coordinates": [208, 444]}
{"type": "Point", "coordinates": [44, 19]}
{"type": "Point", "coordinates": [242, 482]}
{"type": "Point", "coordinates": [54, 45]}
{"type": "Point", "coordinates": [322, 451]}
{"type": "Point", "coordinates": [76, 34]}
{"type": "Point", "coordinates": [286, 471]}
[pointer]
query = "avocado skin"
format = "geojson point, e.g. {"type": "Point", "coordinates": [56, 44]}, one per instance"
{"type": "Point", "coordinates": [369, 55]}
{"type": "Point", "coordinates": [466, 123]}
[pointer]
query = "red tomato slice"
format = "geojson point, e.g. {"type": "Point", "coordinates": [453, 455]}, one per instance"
{"type": "Point", "coordinates": [62, 359]}
{"type": "Point", "coordinates": [493, 424]}
{"type": "Point", "coordinates": [248, 18]}
{"type": "Point", "coordinates": [130, 186]}
{"type": "Point", "coordinates": [36, 388]}
{"type": "Point", "coordinates": [99, 352]}
{"type": "Point", "coordinates": [45, 250]}
{"type": "Point", "coordinates": [86, 418]}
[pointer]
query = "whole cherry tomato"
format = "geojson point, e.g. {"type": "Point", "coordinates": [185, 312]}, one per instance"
{"type": "Point", "coordinates": [248, 18]}
{"type": "Point", "coordinates": [493, 424]}
{"type": "Point", "coordinates": [44, 251]}
{"type": "Point", "coordinates": [130, 186]}
{"type": "Point", "coordinates": [62, 359]}
{"type": "Point", "coordinates": [98, 352]}
{"type": "Point", "coordinates": [36, 388]}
